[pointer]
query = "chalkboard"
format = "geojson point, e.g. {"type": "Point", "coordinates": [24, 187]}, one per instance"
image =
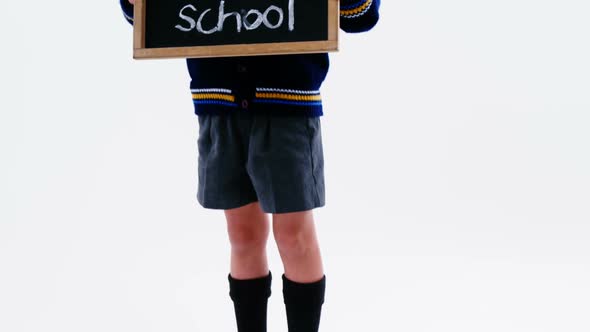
{"type": "Point", "coordinates": [215, 28]}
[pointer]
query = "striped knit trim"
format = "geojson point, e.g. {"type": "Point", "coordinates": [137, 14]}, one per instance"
{"type": "Point", "coordinates": [288, 102]}
{"type": "Point", "coordinates": [355, 10]}
{"type": "Point", "coordinates": [215, 90]}
{"type": "Point", "coordinates": [288, 96]}
{"type": "Point", "coordinates": [129, 18]}
{"type": "Point", "coordinates": [302, 92]}
{"type": "Point", "coordinates": [213, 96]}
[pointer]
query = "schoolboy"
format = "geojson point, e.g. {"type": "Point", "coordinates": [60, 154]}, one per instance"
{"type": "Point", "coordinates": [260, 152]}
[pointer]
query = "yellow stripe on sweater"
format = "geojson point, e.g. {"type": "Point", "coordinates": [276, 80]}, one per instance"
{"type": "Point", "coordinates": [216, 96]}
{"type": "Point", "coordinates": [286, 96]}
{"type": "Point", "coordinates": [357, 10]}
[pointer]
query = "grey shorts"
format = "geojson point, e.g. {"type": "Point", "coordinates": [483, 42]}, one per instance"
{"type": "Point", "coordinates": [246, 157]}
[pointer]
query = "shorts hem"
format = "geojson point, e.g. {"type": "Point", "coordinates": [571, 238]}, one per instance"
{"type": "Point", "coordinates": [288, 210]}
{"type": "Point", "coordinates": [226, 206]}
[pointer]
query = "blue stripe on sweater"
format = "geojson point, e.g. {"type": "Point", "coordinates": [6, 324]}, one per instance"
{"type": "Point", "coordinates": [354, 5]}
{"type": "Point", "coordinates": [288, 102]}
{"type": "Point", "coordinates": [214, 102]}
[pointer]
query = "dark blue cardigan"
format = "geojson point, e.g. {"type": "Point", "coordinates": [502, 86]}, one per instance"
{"type": "Point", "coordinates": [277, 84]}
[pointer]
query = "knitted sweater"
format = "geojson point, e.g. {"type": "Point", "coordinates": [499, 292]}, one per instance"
{"type": "Point", "coordinates": [278, 84]}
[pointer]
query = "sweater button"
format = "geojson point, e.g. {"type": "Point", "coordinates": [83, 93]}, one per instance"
{"type": "Point", "coordinates": [241, 69]}
{"type": "Point", "coordinates": [244, 104]}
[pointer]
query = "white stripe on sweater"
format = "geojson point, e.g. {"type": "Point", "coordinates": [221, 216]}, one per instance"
{"type": "Point", "coordinates": [299, 92]}
{"type": "Point", "coordinates": [128, 17]}
{"type": "Point", "coordinates": [211, 90]}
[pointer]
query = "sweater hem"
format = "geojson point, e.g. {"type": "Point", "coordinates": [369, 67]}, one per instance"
{"type": "Point", "coordinates": [261, 108]}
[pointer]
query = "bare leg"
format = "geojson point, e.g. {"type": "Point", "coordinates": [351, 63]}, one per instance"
{"type": "Point", "coordinates": [248, 231]}
{"type": "Point", "coordinates": [250, 277]}
{"type": "Point", "coordinates": [304, 282]}
{"type": "Point", "coordinates": [296, 238]}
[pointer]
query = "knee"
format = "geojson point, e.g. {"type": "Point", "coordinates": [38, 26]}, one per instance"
{"type": "Point", "coordinates": [247, 228]}
{"type": "Point", "coordinates": [293, 238]}
{"type": "Point", "coordinates": [247, 239]}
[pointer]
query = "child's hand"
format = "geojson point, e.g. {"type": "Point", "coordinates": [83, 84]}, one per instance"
{"type": "Point", "coordinates": [132, 2]}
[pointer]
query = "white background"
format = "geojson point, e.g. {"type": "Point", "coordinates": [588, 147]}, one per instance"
{"type": "Point", "coordinates": [457, 163]}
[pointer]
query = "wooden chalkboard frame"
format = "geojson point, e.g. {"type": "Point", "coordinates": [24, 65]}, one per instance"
{"type": "Point", "coordinates": [141, 52]}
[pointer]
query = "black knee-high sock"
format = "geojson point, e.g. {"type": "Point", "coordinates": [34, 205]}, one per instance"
{"type": "Point", "coordinates": [303, 302]}
{"type": "Point", "coordinates": [250, 298]}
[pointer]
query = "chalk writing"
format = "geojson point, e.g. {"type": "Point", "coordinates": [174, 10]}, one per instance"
{"type": "Point", "coordinates": [252, 19]}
